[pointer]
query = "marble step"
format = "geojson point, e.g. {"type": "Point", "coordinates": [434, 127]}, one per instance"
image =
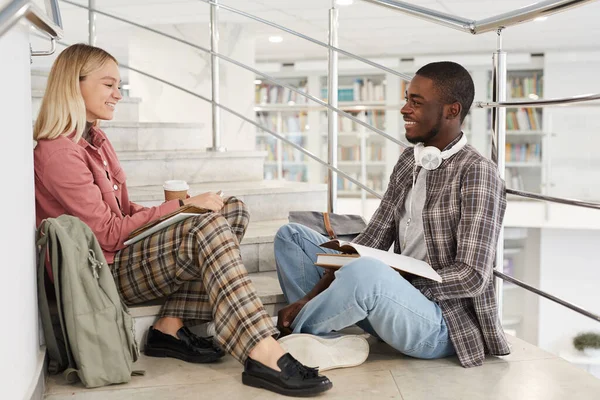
{"type": "Point", "coordinates": [39, 79]}
{"type": "Point", "coordinates": [126, 110]}
{"type": "Point", "coordinates": [153, 136]}
{"type": "Point", "coordinates": [265, 283]}
{"type": "Point", "coordinates": [267, 200]}
{"type": "Point", "coordinates": [145, 168]}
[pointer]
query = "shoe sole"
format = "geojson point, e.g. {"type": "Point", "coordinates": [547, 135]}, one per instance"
{"type": "Point", "coordinates": [164, 353]}
{"type": "Point", "coordinates": [327, 353]}
{"type": "Point", "coordinates": [254, 381]}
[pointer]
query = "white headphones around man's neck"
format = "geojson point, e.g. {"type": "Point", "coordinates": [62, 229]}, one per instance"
{"type": "Point", "coordinates": [430, 157]}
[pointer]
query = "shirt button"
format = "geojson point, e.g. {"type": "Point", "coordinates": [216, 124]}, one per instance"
{"type": "Point", "coordinates": [105, 163]}
{"type": "Point", "coordinates": [115, 187]}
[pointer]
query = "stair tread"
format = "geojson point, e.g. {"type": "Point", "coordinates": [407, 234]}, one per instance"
{"type": "Point", "coordinates": [39, 93]}
{"type": "Point", "coordinates": [155, 192]}
{"type": "Point", "coordinates": [262, 231]}
{"type": "Point", "coordinates": [178, 154]}
{"type": "Point", "coordinates": [266, 284]}
{"type": "Point", "coordinates": [136, 124]}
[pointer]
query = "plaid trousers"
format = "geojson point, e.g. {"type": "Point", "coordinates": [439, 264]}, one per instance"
{"type": "Point", "coordinates": [197, 266]}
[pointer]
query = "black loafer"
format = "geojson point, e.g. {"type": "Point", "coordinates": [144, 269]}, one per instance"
{"type": "Point", "coordinates": [294, 379]}
{"type": "Point", "coordinates": [184, 333]}
{"type": "Point", "coordinates": [188, 347]}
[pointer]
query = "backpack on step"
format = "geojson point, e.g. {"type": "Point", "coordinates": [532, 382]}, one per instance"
{"type": "Point", "coordinates": [92, 338]}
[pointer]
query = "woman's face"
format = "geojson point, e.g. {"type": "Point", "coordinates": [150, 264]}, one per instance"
{"type": "Point", "coordinates": [100, 91]}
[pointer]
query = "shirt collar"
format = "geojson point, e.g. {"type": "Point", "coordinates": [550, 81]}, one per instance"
{"type": "Point", "coordinates": [97, 136]}
{"type": "Point", "coordinates": [452, 143]}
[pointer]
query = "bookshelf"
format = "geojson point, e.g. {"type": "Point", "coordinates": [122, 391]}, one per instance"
{"type": "Point", "coordinates": [525, 134]}
{"type": "Point", "coordinates": [366, 156]}
{"type": "Point", "coordinates": [361, 152]}
{"type": "Point", "coordinates": [285, 112]}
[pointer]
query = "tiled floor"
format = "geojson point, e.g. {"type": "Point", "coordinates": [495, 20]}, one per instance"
{"type": "Point", "coordinates": [528, 373]}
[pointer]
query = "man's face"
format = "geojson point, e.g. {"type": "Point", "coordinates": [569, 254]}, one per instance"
{"type": "Point", "coordinates": [423, 111]}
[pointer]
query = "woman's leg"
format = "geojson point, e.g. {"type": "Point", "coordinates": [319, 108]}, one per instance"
{"type": "Point", "coordinates": [197, 266]}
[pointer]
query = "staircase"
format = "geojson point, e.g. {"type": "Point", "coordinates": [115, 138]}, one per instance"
{"type": "Point", "coordinates": [151, 153]}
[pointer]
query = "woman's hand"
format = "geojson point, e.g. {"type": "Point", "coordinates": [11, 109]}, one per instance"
{"type": "Point", "coordinates": [210, 201]}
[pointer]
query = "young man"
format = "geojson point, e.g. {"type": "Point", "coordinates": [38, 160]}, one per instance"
{"type": "Point", "coordinates": [444, 205]}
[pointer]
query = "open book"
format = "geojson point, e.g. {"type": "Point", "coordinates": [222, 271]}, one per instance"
{"type": "Point", "coordinates": [351, 251]}
{"type": "Point", "coordinates": [166, 220]}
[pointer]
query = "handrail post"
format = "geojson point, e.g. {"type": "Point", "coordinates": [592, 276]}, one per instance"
{"type": "Point", "coordinates": [332, 117]}
{"type": "Point", "coordinates": [214, 74]}
{"type": "Point", "coordinates": [499, 78]}
{"type": "Point", "coordinates": [91, 23]}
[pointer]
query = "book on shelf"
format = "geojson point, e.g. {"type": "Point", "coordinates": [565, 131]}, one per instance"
{"type": "Point", "coordinates": [151, 227]}
{"type": "Point", "coordinates": [359, 90]}
{"type": "Point", "coordinates": [351, 251]}
{"type": "Point", "coordinates": [523, 119]}
{"type": "Point", "coordinates": [275, 94]}
{"type": "Point", "coordinates": [523, 152]}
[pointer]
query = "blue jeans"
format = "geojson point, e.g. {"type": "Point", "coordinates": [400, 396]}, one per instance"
{"type": "Point", "coordinates": [365, 292]}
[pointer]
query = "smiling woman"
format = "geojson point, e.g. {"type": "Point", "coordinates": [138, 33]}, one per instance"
{"type": "Point", "coordinates": [194, 264]}
{"type": "Point", "coordinates": [101, 92]}
{"type": "Point", "coordinates": [76, 82]}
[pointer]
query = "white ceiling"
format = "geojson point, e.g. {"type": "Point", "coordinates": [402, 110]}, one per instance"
{"type": "Point", "coordinates": [365, 29]}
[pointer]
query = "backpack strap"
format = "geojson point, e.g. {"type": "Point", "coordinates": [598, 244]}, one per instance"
{"type": "Point", "coordinates": [57, 360]}
{"type": "Point", "coordinates": [328, 227]}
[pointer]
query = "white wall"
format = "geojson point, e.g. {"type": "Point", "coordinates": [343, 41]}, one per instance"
{"type": "Point", "coordinates": [19, 344]}
{"type": "Point", "coordinates": [190, 68]}
{"type": "Point", "coordinates": [570, 270]}
{"type": "Point", "coordinates": [575, 162]}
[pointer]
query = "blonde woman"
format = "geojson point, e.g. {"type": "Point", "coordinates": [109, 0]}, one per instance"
{"type": "Point", "coordinates": [195, 264]}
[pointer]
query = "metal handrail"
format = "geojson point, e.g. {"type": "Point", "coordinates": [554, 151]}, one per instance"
{"type": "Point", "coordinates": [539, 292]}
{"type": "Point", "coordinates": [406, 77]}
{"type": "Point", "coordinates": [17, 9]}
{"type": "Point", "coordinates": [500, 21]}
{"type": "Point", "coordinates": [560, 200]}
{"type": "Point", "coordinates": [540, 103]}
{"type": "Point", "coordinates": [248, 68]}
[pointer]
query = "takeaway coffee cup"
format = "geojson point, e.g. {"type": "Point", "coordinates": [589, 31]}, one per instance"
{"type": "Point", "coordinates": [175, 190]}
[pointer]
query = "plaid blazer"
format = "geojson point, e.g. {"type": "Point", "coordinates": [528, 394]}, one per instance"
{"type": "Point", "coordinates": [462, 218]}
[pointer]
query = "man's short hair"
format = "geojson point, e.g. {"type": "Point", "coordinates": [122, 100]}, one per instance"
{"type": "Point", "coordinates": [453, 83]}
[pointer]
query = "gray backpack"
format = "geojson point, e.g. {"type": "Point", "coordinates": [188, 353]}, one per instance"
{"type": "Point", "coordinates": [92, 336]}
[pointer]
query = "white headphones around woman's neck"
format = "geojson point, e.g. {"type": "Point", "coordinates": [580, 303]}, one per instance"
{"type": "Point", "coordinates": [430, 157]}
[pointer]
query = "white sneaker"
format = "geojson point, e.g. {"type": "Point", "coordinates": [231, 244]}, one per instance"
{"type": "Point", "coordinates": [327, 352]}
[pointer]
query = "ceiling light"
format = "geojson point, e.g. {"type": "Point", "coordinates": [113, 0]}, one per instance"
{"type": "Point", "coordinates": [257, 82]}
{"type": "Point", "coordinates": [344, 2]}
{"type": "Point", "coordinates": [275, 39]}
{"type": "Point", "coordinates": [291, 103]}
{"type": "Point", "coordinates": [540, 19]}
{"type": "Point", "coordinates": [534, 96]}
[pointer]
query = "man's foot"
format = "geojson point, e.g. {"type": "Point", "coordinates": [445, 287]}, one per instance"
{"type": "Point", "coordinates": [327, 352]}
{"type": "Point", "coordinates": [189, 347]}
{"type": "Point", "coordinates": [294, 379]}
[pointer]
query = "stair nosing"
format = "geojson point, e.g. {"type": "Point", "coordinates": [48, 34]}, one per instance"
{"type": "Point", "coordinates": [140, 155]}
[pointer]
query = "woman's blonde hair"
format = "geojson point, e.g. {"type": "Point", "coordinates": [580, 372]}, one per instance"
{"type": "Point", "coordinates": [63, 110]}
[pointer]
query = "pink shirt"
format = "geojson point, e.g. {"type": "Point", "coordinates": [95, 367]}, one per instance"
{"type": "Point", "coordinates": [87, 181]}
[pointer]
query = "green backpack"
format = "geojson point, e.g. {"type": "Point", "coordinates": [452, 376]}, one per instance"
{"type": "Point", "coordinates": [92, 338]}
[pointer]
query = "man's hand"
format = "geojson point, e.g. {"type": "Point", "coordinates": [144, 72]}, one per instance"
{"type": "Point", "coordinates": [210, 201]}
{"type": "Point", "coordinates": [286, 316]}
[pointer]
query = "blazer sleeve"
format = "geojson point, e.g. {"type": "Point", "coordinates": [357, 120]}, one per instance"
{"type": "Point", "coordinates": [483, 202]}
{"type": "Point", "coordinates": [69, 180]}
